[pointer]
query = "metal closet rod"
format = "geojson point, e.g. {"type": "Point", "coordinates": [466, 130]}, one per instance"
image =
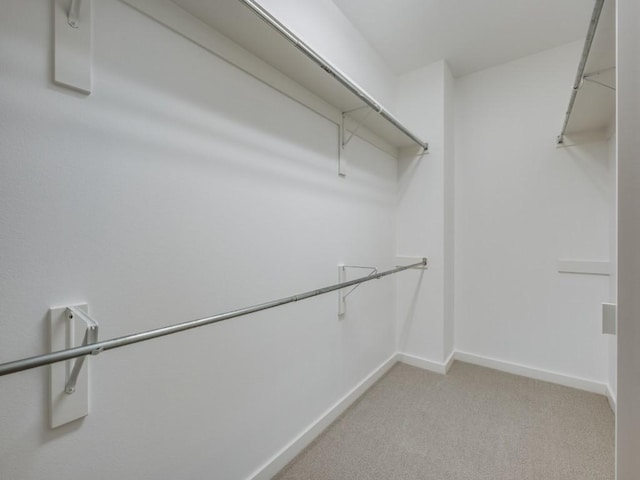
{"type": "Point", "coordinates": [98, 347]}
{"type": "Point", "coordinates": [327, 67]}
{"type": "Point", "coordinates": [593, 24]}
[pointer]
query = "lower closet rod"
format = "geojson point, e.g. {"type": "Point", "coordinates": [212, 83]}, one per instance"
{"type": "Point", "coordinates": [97, 347]}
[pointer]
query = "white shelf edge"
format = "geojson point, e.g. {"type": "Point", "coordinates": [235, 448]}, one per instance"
{"type": "Point", "coordinates": [586, 267]}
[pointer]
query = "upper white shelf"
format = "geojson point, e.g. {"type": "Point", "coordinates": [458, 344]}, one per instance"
{"type": "Point", "coordinates": [595, 98]}
{"type": "Point", "coordinates": [273, 54]}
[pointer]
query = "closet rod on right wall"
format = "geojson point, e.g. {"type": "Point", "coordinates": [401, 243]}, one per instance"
{"type": "Point", "coordinates": [593, 24]}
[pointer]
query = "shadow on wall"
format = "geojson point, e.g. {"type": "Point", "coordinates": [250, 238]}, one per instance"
{"type": "Point", "coordinates": [594, 163]}
{"type": "Point", "coordinates": [407, 167]}
{"type": "Point", "coordinates": [407, 322]}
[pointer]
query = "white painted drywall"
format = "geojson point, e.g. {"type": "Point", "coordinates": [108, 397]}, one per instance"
{"type": "Point", "coordinates": [180, 188]}
{"type": "Point", "coordinates": [521, 204]}
{"type": "Point", "coordinates": [324, 27]}
{"type": "Point", "coordinates": [425, 309]}
{"type": "Point", "coordinates": [472, 35]}
{"type": "Point", "coordinates": [449, 214]}
{"type": "Point", "coordinates": [628, 125]}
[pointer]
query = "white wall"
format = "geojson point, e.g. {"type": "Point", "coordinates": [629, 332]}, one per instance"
{"type": "Point", "coordinates": [628, 124]}
{"type": "Point", "coordinates": [424, 215]}
{"type": "Point", "coordinates": [521, 204]}
{"type": "Point", "coordinates": [180, 188]}
{"type": "Point", "coordinates": [449, 213]}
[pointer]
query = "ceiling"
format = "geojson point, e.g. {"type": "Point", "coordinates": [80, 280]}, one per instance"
{"type": "Point", "coordinates": [470, 34]}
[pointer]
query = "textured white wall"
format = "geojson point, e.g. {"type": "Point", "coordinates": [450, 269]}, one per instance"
{"type": "Point", "coordinates": [180, 188]}
{"type": "Point", "coordinates": [628, 124]}
{"type": "Point", "coordinates": [522, 203]}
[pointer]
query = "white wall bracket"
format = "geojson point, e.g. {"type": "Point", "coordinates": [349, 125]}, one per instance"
{"type": "Point", "coordinates": [90, 336]}
{"type": "Point", "coordinates": [589, 78]}
{"type": "Point", "coordinates": [343, 293]}
{"type": "Point", "coordinates": [72, 25]}
{"type": "Point", "coordinates": [343, 139]}
{"type": "Point", "coordinates": [73, 15]}
{"type": "Point", "coordinates": [69, 386]}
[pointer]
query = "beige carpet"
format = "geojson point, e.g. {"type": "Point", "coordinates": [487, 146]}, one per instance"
{"type": "Point", "coordinates": [472, 424]}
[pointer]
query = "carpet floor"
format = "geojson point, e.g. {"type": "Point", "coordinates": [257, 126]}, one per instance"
{"type": "Point", "coordinates": [471, 424]}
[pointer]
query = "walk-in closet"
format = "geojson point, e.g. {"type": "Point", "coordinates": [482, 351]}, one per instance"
{"type": "Point", "coordinates": [320, 239]}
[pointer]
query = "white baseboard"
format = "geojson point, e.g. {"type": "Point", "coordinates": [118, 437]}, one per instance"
{"type": "Point", "coordinates": [535, 373]}
{"type": "Point", "coordinates": [432, 366]}
{"type": "Point", "coordinates": [449, 362]}
{"type": "Point", "coordinates": [288, 453]}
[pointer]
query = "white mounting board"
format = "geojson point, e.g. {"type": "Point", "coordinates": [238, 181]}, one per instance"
{"type": "Point", "coordinates": [65, 333]}
{"type": "Point", "coordinates": [342, 301]}
{"type": "Point", "coordinates": [72, 46]}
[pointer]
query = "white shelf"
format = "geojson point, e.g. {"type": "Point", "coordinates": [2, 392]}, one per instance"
{"type": "Point", "coordinates": [233, 31]}
{"type": "Point", "coordinates": [594, 107]}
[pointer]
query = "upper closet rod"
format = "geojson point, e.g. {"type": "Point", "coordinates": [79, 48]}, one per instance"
{"type": "Point", "coordinates": [327, 67]}
{"type": "Point", "coordinates": [595, 17]}
{"type": "Point", "coordinates": [97, 347]}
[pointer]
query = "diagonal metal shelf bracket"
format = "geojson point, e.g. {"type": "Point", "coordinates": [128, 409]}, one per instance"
{"type": "Point", "coordinates": [343, 293]}
{"type": "Point", "coordinates": [344, 140]}
{"type": "Point", "coordinates": [90, 336]}
{"type": "Point", "coordinates": [589, 78]}
{"type": "Point", "coordinates": [71, 327]}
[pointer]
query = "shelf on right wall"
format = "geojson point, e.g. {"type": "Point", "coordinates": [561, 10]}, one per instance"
{"type": "Point", "coordinates": [592, 114]}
